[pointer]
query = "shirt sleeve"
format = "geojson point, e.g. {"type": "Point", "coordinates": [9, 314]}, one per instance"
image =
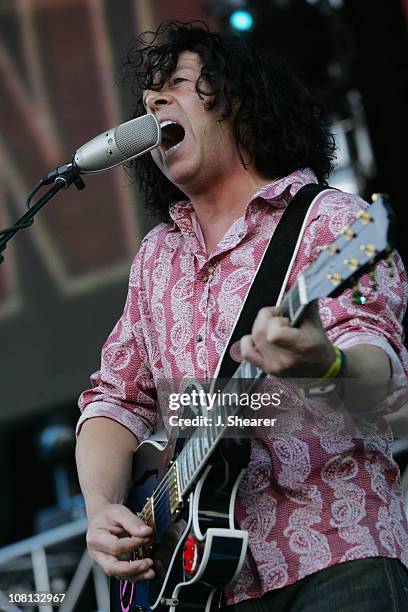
{"type": "Point", "coordinates": [379, 321]}
{"type": "Point", "coordinates": [123, 389]}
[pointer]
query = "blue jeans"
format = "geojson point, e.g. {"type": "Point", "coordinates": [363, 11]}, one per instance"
{"type": "Point", "coordinates": [375, 584]}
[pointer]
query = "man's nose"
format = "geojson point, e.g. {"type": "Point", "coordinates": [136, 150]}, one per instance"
{"type": "Point", "coordinates": [157, 100]}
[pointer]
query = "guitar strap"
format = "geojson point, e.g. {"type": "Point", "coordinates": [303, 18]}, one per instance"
{"type": "Point", "coordinates": [272, 272]}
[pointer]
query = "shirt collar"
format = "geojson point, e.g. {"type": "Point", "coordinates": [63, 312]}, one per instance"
{"type": "Point", "coordinates": [277, 193]}
{"type": "Point", "coordinates": [280, 191]}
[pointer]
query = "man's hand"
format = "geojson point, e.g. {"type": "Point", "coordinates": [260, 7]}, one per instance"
{"type": "Point", "coordinates": [277, 348]}
{"type": "Point", "coordinates": [113, 533]}
{"type": "Point", "coordinates": [104, 455]}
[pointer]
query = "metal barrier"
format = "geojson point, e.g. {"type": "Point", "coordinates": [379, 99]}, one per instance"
{"type": "Point", "coordinates": [35, 549]}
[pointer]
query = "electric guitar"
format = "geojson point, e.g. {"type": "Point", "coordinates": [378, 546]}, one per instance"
{"type": "Point", "coordinates": [193, 492]}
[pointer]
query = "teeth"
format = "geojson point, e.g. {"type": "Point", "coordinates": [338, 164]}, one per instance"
{"type": "Point", "coordinates": [167, 122]}
{"type": "Point", "coordinates": [173, 148]}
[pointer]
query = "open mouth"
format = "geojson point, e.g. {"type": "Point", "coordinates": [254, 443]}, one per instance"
{"type": "Point", "coordinates": [172, 135]}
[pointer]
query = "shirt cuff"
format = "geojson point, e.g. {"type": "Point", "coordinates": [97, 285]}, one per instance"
{"type": "Point", "coordinates": [120, 415]}
{"type": "Point", "coordinates": [352, 339]}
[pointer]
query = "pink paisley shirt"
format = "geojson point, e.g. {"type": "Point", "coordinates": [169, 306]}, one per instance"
{"type": "Point", "coordinates": [306, 504]}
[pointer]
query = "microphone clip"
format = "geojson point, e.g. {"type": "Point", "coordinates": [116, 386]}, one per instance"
{"type": "Point", "coordinates": [67, 174]}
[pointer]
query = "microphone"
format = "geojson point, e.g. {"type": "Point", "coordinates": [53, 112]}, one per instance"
{"type": "Point", "coordinates": [113, 147]}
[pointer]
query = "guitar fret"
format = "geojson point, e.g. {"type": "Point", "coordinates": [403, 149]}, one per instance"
{"type": "Point", "coordinates": [183, 471]}
{"type": "Point", "coordinates": [182, 478]}
{"type": "Point", "coordinates": [205, 443]}
{"type": "Point", "coordinates": [203, 449]}
{"type": "Point", "coordinates": [224, 413]}
{"type": "Point", "coordinates": [200, 441]}
{"type": "Point", "coordinates": [209, 436]}
{"type": "Point", "coordinates": [179, 467]}
{"type": "Point", "coordinates": [186, 466]}
{"type": "Point", "coordinates": [186, 463]}
{"type": "Point", "coordinates": [196, 453]}
{"type": "Point", "coordinates": [190, 466]}
{"type": "Point", "coordinates": [190, 460]}
{"type": "Point", "coordinates": [285, 307]}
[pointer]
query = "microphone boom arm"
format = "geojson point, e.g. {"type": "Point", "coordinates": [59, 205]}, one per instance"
{"type": "Point", "coordinates": [62, 177]}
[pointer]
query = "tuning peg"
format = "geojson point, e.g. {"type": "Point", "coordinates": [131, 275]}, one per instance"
{"type": "Point", "coordinates": [357, 297]}
{"type": "Point", "coordinates": [333, 249]}
{"type": "Point", "coordinates": [369, 249]}
{"type": "Point", "coordinates": [351, 263]}
{"type": "Point", "coordinates": [364, 216]}
{"type": "Point", "coordinates": [348, 233]}
{"type": "Point", "coordinates": [376, 196]}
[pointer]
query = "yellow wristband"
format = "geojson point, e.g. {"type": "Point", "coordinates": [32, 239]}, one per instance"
{"type": "Point", "coordinates": [333, 370]}
{"type": "Point", "coordinates": [336, 365]}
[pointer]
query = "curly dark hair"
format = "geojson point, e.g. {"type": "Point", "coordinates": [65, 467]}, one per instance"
{"type": "Point", "coordinates": [272, 113]}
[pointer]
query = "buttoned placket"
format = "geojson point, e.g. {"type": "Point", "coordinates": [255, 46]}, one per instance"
{"type": "Point", "coordinates": [204, 269]}
{"type": "Point", "coordinates": [203, 288]}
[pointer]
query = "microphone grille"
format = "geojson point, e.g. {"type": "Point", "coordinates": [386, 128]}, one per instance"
{"type": "Point", "coordinates": [138, 135]}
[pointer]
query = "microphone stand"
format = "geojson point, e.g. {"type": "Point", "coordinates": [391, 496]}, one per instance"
{"type": "Point", "coordinates": [62, 177]}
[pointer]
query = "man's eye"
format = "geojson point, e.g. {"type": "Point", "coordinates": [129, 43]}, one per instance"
{"type": "Point", "coordinates": [178, 80]}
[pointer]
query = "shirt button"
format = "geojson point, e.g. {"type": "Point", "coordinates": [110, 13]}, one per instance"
{"type": "Point", "coordinates": [199, 338]}
{"type": "Point", "coordinates": [204, 278]}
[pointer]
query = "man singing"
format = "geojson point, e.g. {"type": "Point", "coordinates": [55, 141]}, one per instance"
{"type": "Point", "coordinates": [241, 136]}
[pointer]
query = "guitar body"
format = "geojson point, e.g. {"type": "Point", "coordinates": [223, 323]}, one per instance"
{"type": "Point", "coordinates": [206, 552]}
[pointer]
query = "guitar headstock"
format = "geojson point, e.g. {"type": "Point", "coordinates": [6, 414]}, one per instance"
{"type": "Point", "coordinates": [360, 245]}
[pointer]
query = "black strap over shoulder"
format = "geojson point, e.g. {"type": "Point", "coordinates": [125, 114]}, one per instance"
{"type": "Point", "coordinates": [271, 273]}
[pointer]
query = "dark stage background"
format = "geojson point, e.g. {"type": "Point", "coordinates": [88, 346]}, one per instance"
{"type": "Point", "coordinates": [63, 282]}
